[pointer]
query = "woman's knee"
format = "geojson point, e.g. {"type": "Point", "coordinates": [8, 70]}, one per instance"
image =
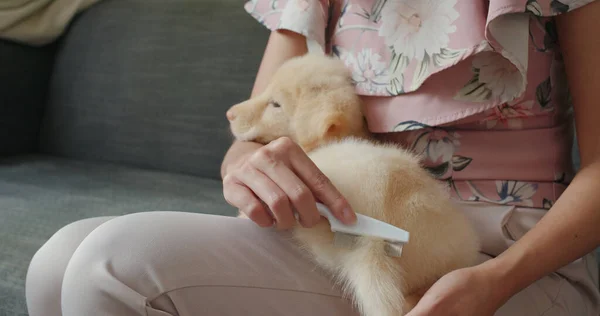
{"type": "Point", "coordinates": [112, 270]}
{"type": "Point", "coordinates": [47, 266]}
{"type": "Point", "coordinates": [122, 267]}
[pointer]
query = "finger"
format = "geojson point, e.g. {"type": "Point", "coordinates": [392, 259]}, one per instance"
{"type": "Point", "coordinates": [298, 193]}
{"type": "Point", "coordinates": [267, 191]}
{"type": "Point", "coordinates": [239, 196]}
{"type": "Point", "coordinates": [317, 181]}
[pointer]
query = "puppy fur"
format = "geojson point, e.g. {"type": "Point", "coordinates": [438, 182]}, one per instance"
{"type": "Point", "coordinates": [311, 100]}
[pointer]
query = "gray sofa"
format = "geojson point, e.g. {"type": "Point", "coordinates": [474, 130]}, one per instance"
{"type": "Point", "coordinates": [123, 114]}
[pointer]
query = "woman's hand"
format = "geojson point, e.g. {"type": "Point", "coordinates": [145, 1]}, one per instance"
{"type": "Point", "coordinates": [271, 182]}
{"type": "Point", "coordinates": [464, 292]}
{"type": "Point", "coordinates": [268, 182]}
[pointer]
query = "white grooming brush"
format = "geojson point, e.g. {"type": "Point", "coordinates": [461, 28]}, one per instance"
{"type": "Point", "coordinates": [345, 235]}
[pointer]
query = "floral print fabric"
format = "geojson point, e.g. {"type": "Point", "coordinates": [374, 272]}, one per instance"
{"type": "Point", "coordinates": [428, 68]}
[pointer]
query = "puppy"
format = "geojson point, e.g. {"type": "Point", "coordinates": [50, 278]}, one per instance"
{"type": "Point", "coordinates": [311, 99]}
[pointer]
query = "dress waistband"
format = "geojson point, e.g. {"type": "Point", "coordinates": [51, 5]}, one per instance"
{"type": "Point", "coordinates": [529, 167]}
{"type": "Point", "coordinates": [508, 192]}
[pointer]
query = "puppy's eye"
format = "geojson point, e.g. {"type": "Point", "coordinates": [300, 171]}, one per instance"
{"type": "Point", "coordinates": [275, 104]}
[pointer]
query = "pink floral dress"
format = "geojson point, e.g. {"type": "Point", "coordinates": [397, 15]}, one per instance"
{"type": "Point", "coordinates": [478, 86]}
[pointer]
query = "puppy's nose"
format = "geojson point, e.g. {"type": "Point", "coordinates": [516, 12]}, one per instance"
{"type": "Point", "coordinates": [230, 115]}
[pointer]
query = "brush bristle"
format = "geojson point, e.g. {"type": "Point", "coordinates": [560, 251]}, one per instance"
{"type": "Point", "coordinates": [393, 249]}
{"type": "Point", "coordinates": [344, 240]}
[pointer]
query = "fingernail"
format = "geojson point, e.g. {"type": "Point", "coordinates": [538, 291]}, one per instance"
{"type": "Point", "coordinates": [349, 216]}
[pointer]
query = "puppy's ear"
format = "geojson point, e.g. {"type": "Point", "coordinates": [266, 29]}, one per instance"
{"type": "Point", "coordinates": [316, 131]}
{"type": "Point", "coordinates": [334, 125]}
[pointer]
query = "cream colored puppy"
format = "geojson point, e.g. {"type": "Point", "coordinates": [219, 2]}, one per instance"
{"type": "Point", "coordinates": [311, 100]}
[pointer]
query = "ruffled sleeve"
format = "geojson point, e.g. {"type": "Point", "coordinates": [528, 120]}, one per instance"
{"type": "Point", "coordinates": [306, 17]}
{"type": "Point", "coordinates": [510, 31]}
{"type": "Point", "coordinates": [548, 7]}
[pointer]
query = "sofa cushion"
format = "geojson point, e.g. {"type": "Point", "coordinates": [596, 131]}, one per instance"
{"type": "Point", "coordinates": [147, 82]}
{"type": "Point", "coordinates": [40, 194]}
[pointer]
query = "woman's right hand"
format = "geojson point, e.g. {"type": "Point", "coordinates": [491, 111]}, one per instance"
{"type": "Point", "coordinates": [270, 183]}
{"type": "Point", "coordinates": [267, 183]}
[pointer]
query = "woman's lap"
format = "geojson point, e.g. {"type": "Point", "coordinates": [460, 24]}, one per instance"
{"type": "Point", "coordinates": [189, 264]}
{"type": "Point", "coordinates": [167, 263]}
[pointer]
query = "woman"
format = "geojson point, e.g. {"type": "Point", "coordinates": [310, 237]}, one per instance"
{"type": "Point", "coordinates": [472, 84]}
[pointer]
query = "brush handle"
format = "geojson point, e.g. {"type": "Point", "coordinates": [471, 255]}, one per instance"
{"type": "Point", "coordinates": [365, 226]}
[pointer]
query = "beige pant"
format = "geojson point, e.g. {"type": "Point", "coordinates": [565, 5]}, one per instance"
{"type": "Point", "coordinates": [169, 263]}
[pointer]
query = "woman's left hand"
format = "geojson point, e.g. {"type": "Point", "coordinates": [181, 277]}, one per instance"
{"type": "Point", "coordinates": [465, 292]}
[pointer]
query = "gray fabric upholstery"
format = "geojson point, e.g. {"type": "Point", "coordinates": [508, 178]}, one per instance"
{"type": "Point", "coordinates": [24, 76]}
{"type": "Point", "coordinates": [40, 194]}
{"type": "Point", "coordinates": [147, 82]}
{"type": "Point", "coordinates": [135, 106]}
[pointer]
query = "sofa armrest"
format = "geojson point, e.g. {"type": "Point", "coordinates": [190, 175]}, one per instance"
{"type": "Point", "coordinates": [24, 76]}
